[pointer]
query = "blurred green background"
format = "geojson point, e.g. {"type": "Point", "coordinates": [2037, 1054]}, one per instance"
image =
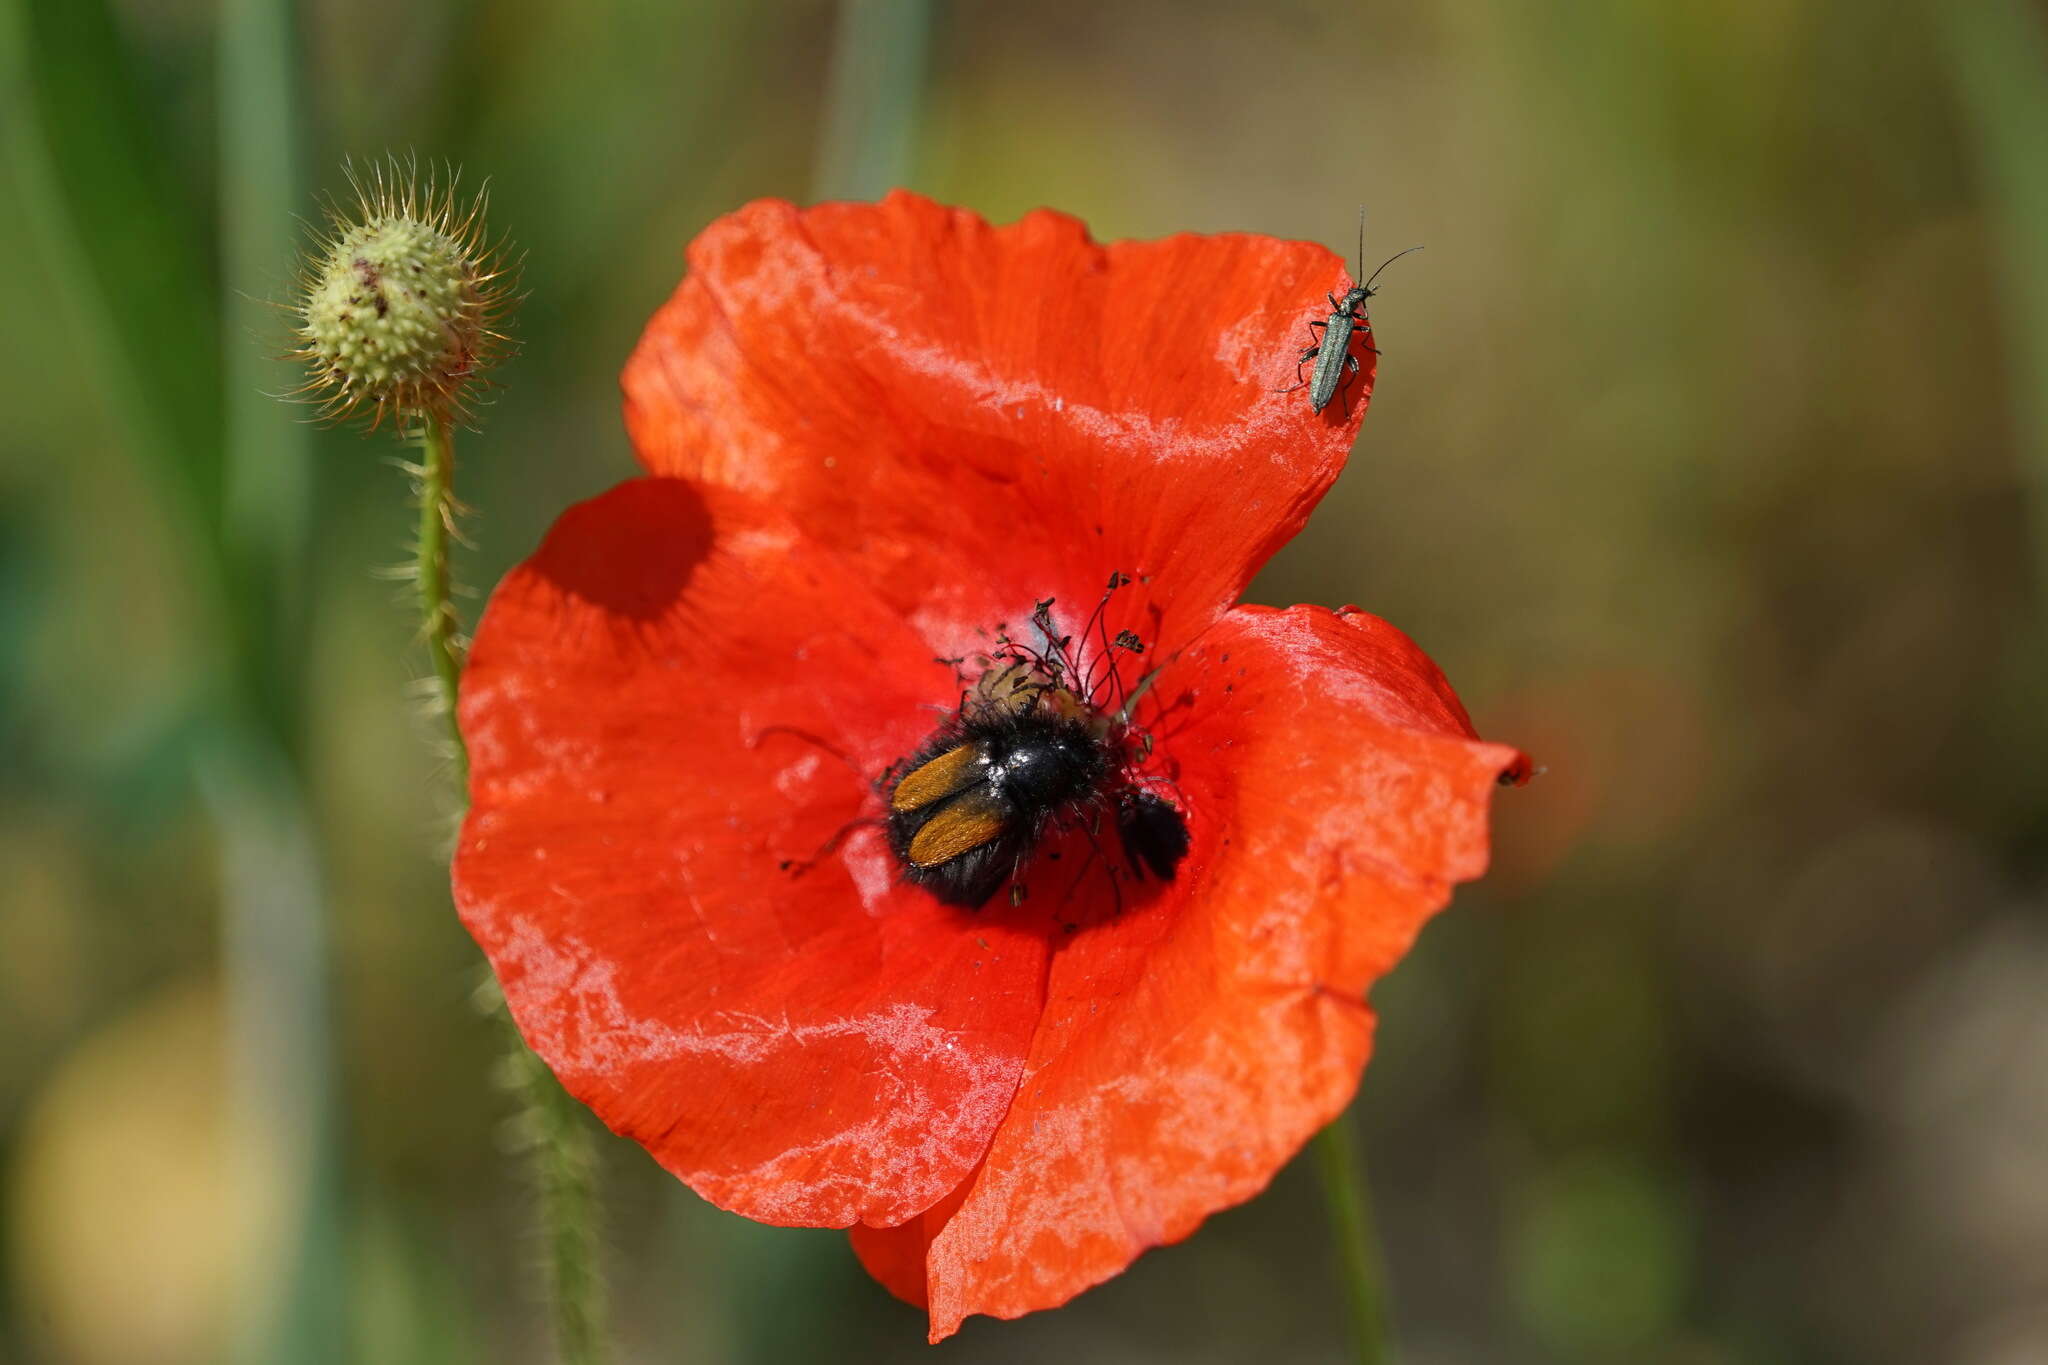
{"type": "Point", "coordinates": [1709, 457]}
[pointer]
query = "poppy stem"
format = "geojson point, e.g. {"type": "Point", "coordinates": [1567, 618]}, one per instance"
{"type": "Point", "coordinates": [561, 1161]}
{"type": "Point", "coordinates": [1354, 1241]}
{"type": "Point", "coordinates": [564, 1170]}
{"type": "Point", "coordinates": [437, 602]}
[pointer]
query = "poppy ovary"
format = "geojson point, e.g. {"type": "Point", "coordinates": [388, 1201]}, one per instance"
{"type": "Point", "coordinates": [398, 305]}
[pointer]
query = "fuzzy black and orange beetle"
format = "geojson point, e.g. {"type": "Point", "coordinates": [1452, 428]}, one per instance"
{"type": "Point", "coordinates": [1028, 751]}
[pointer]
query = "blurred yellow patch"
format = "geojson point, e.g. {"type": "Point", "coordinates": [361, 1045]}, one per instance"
{"type": "Point", "coordinates": [130, 1210]}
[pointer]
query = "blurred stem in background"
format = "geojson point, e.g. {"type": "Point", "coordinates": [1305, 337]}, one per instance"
{"type": "Point", "coordinates": [873, 97]}
{"type": "Point", "coordinates": [274, 932]}
{"type": "Point", "coordinates": [268, 457]}
{"type": "Point", "coordinates": [290, 1276]}
{"type": "Point", "coordinates": [1998, 52]}
{"type": "Point", "coordinates": [1353, 1238]}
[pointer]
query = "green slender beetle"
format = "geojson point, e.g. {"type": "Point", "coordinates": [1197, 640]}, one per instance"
{"type": "Point", "coordinates": [1331, 351]}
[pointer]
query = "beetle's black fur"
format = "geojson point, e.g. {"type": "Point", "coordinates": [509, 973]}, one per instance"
{"type": "Point", "coordinates": [1038, 770]}
{"type": "Point", "coordinates": [1035, 768]}
{"type": "Point", "coordinates": [1154, 834]}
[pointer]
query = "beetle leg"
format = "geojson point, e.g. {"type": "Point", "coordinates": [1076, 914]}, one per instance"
{"type": "Point", "coordinates": [1300, 383]}
{"type": "Point", "coordinates": [1308, 353]}
{"type": "Point", "coordinates": [1351, 368]}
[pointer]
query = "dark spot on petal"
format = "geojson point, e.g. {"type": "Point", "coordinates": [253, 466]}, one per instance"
{"type": "Point", "coordinates": [632, 550]}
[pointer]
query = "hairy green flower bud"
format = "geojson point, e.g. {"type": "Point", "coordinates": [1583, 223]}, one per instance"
{"type": "Point", "coordinates": [398, 304]}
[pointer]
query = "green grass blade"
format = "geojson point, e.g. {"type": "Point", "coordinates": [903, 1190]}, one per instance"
{"type": "Point", "coordinates": [274, 932]}
{"type": "Point", "coordinates": [872, 98]}
{"type": "Point", "coordinates": [123, 227]}
{"type": "Point", "coordinates": [1998, 53]}
{"type": "Point", "coordinates": [268, 452]}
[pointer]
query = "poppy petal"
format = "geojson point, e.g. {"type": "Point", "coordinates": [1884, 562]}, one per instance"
{"type": "Point", "coordinates": [962, 409]}
{"type": "Point", "coordinates": [1191, 1046]}
{"type": "Point", "coordinates": [677, 694]}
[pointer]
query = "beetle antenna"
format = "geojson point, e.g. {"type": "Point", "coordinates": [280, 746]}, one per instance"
{"type": "Point", "coordinates": [796, 867]}
{"type": "Point", "coordinates": [755, 741]}
{"type": "Point", "coordinates": [1387, 262]}
{"type": "Point", "coordinates": [1361, 244]}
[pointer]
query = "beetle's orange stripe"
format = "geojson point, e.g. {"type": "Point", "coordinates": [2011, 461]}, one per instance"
{"type": "Point", "coordinates": [960, 828]}
{"type": "Point", "coordinates": [936, 780]}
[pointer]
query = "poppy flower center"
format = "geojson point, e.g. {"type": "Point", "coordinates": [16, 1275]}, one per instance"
{"type": "Point", "coordinates": [1027, 753]}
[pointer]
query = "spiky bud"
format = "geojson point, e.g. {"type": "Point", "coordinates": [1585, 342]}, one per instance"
{"type": "Point", "coordinates": [400, 301]}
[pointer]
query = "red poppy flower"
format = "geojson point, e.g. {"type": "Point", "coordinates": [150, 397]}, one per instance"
{"type": "Point", "coordinates": [873, 434]}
